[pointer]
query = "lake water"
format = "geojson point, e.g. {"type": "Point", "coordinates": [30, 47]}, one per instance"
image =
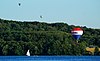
{"type": "Point", "coordinates": [50, 58]}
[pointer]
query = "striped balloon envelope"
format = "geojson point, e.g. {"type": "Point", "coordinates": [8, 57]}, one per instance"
{"type": "Point", "coordinates": [77, 32]}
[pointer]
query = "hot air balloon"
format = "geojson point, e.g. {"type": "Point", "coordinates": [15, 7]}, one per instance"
{"type": "Point", "coordinates": [41, 16]}
{"type": "Point", "coordinates": [76, 33]}
{"type": "Point", "coordinates": [19, 4]}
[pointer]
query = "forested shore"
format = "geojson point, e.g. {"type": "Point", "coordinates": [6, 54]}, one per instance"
{"type": "Point", "coordinates": [42, 38]}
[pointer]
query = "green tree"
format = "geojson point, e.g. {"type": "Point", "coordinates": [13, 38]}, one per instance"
{"type": "Point", "coordinates": [96, 51]}
{"type": "Point", "coordinates": [5, 50]}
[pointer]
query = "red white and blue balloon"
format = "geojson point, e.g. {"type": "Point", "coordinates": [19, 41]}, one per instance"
{"type": "Point", "coordinates": [77, 32]}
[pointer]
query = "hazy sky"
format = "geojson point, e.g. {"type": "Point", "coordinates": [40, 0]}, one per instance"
{"type": "Point", "coordinates": [74, 12]}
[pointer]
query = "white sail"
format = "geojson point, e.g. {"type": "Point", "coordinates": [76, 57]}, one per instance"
{"type": "Point", "coordinates": [28, 53]}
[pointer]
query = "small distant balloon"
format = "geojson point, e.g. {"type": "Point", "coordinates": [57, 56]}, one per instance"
{"type": "Point", "coordinates": [76, 33]}
{"type": "Point", "coordinates": [41, 16]}
{"type": "Point", "coordinates": [19, 4]}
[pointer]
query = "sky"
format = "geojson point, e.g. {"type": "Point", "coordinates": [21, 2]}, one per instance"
{"type": "Point", "coordinates": [73, 12]}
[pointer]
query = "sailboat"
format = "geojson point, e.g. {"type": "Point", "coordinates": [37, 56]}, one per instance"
{"type": "Point", "coordinates": [28, 53]}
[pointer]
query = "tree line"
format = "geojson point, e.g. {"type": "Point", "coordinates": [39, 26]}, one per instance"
{"type": "Point", "coordinates": [44, 38]}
